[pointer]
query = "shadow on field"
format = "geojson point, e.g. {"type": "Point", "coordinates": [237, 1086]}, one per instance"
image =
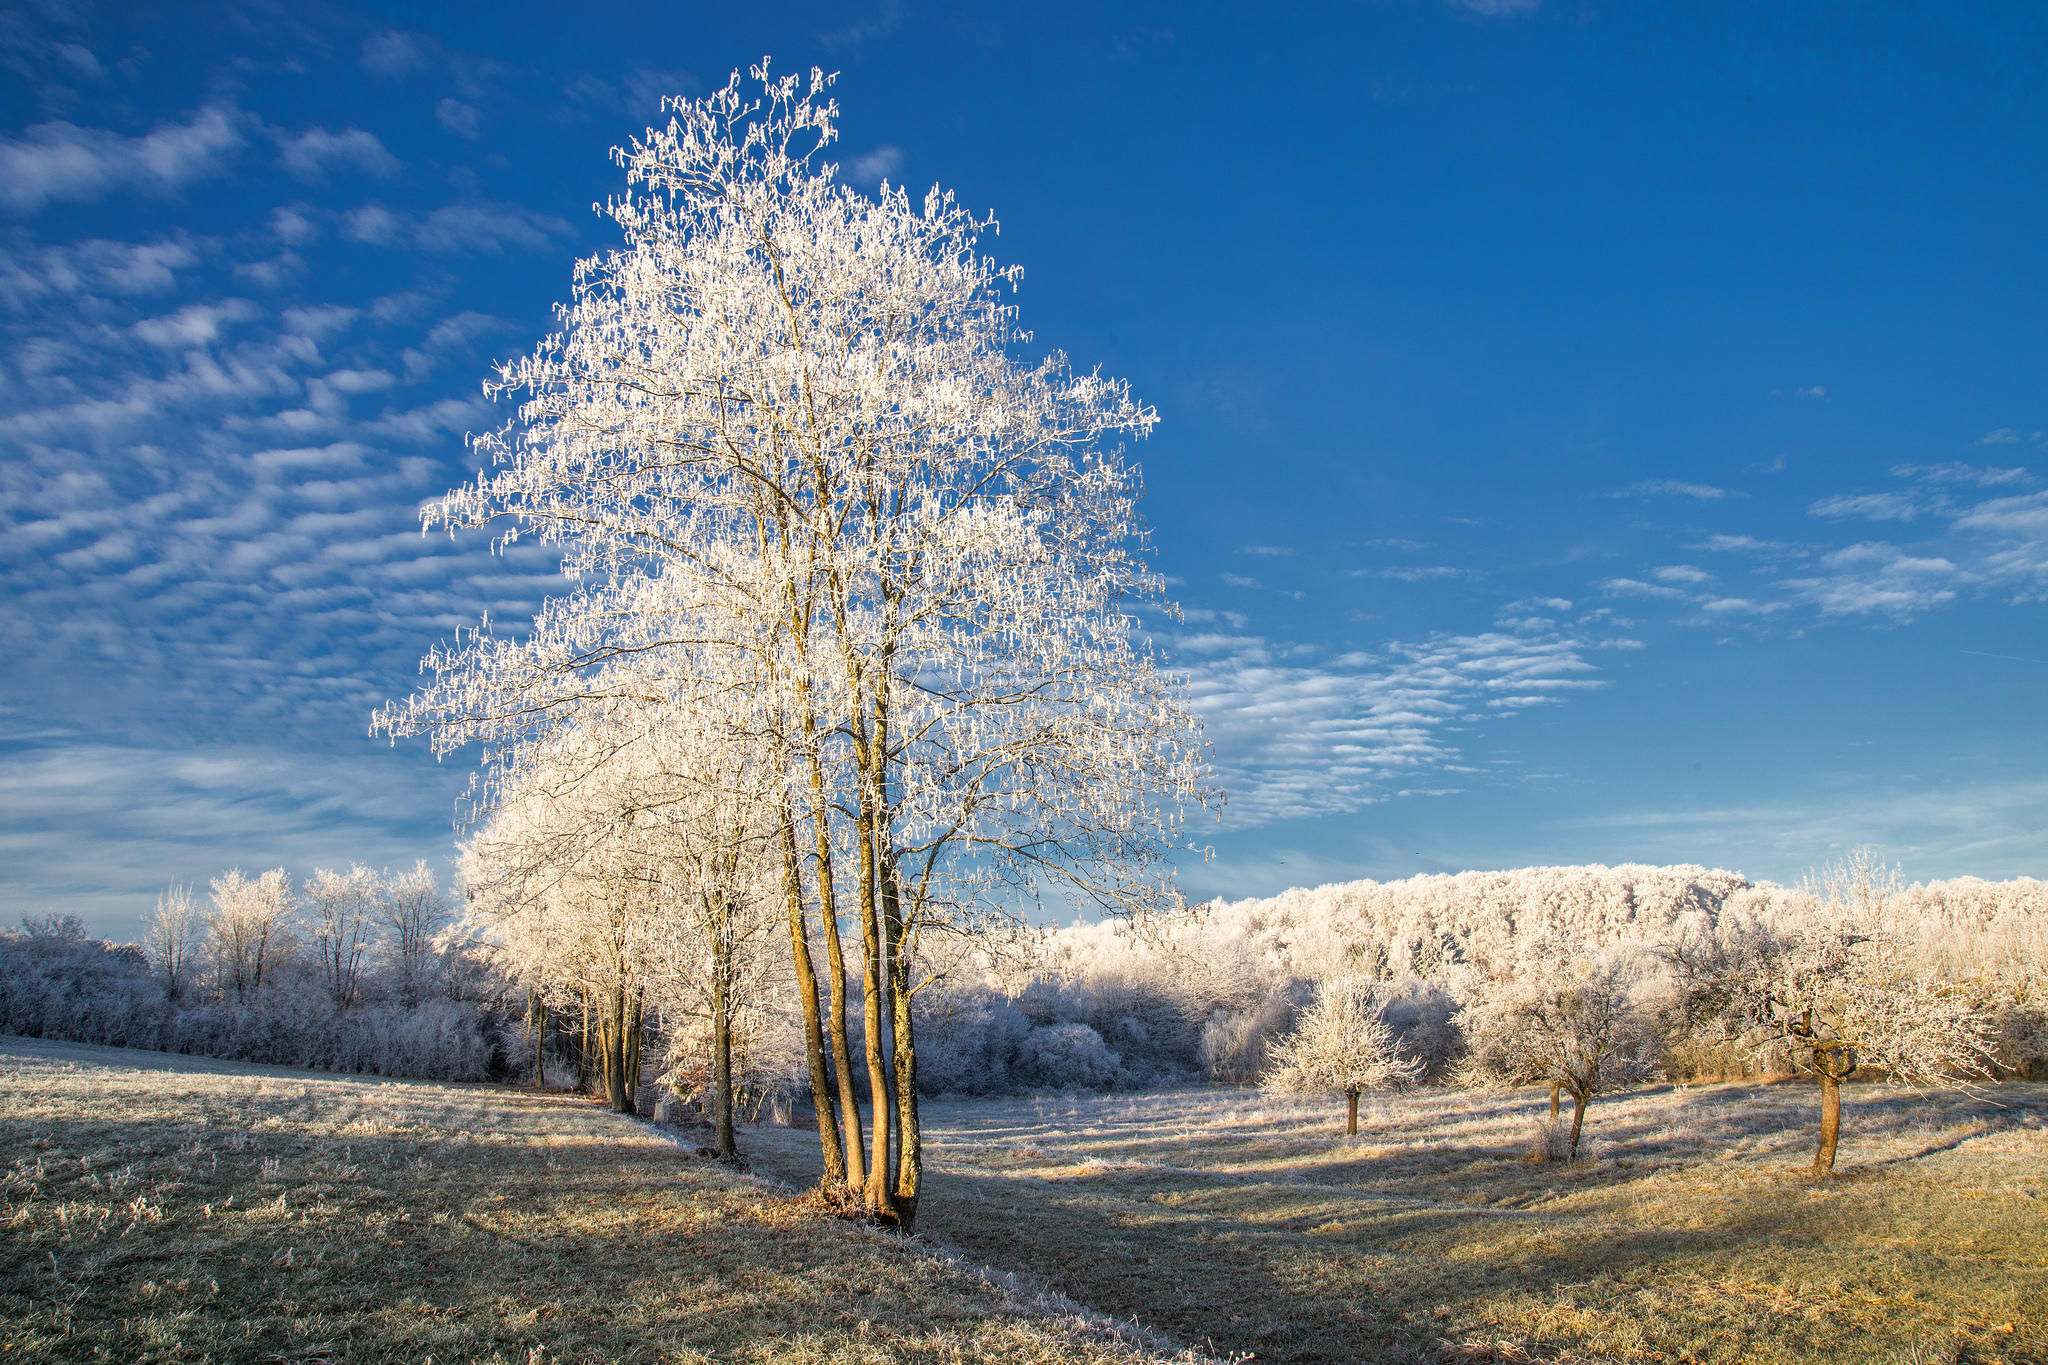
{"type": "Point", "coordinates": [1697, 1233]}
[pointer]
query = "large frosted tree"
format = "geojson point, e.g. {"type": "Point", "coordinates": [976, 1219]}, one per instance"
{"type": "Point", "coordinates": [787, 438]}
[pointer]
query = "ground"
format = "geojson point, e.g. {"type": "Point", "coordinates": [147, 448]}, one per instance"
{"type": "Point", "coordinates": [168, 1209]}
{"type": "Point", "coordinates": [160, 1208]}
{"type": "Point", "coordinates": [1239, 1225]}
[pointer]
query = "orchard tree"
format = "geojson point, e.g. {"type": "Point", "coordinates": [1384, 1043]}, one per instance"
{"type": "Point", "coordinates": [1570, 1017]}
{"type": "Point", "coordinates": [1340, 1043]}
{"type": "Point", "coordinates": [786, 435]}
{"type": "Point", "coordinates": [1843, 991]}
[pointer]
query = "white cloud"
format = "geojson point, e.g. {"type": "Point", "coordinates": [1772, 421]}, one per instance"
{"type": "Point", "coordinates": [873, 167]}
{"type": "Point", "coordinates": [30, 274]}
{"type": "Point", "coordinates": [313, 152]}
{"type": "Point", "coordinates": [1318, 738]}
{"type": "Point", "coordinates": [392, 54]}
{"type": "Point", "coordinates": [1876, 577]}
{"type": "Point", "coordinates": [463, 120]}
{"type": "Point", "coordinates": [54, 162]}
{"type": "Point", "coordinates": [1635, 587]}
{"type": "Point", "coordinates": [1868, 506]}
{"type": "Point", "coordinates": [1674, 488]}
{"type": "Point", "coordinates": [1680, 573]}
{"type": "Point", "coordinates": [1956, 472]}
{"type": "Point", "coordinates": [199, 324]}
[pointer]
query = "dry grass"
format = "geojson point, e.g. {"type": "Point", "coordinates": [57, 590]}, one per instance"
{"type": "Point", "coordinates": [160, 1209]}
{"type": "Point", "coordinates": [1694, 1234]}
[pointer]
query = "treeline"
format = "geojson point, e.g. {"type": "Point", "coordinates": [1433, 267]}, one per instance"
{"type": "Point", "coordinates": [1208, 996]}
{"type": "Point", "coordinates": [348, 971]}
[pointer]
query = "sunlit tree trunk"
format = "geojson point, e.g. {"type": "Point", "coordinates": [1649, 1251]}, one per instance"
{"type": "Point", "coordinates": [874, 954]}
{"type": "Point", "coordinates": [723, 1142]}
{"type": "Point", "coordinates": [1351, 1112]}
{"type": "Point", "coordinates": [1830, 1125]}
{"type": "Point", "coordinates": [835, 953]}
{"type": "Point", "coordinates": [834, 1176]}
{"type": "Point", "coordinates": [909, 1130]}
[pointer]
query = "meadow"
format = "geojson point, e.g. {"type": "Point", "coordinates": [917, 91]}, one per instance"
{"type": "Point", "coordinates": [1250, 1228]}
{"type": "Point", "coordinates": [162, 1208]}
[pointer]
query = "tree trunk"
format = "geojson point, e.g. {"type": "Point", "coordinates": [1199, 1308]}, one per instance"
{"type": "Point", "coordinates": [909, 1131]}
{"type": "Point", "coordinates": [1555, 1088]}
{"type": "Point", "coordinates": [540, 1041]}
{"type": "Point", "coordinates": [614, 1041]}
{"type": "Point", "coordinates": [1579, 1103]}
{"type": "Point", "coordinates": [834, 1155]}
{"type": "Point", "coordinates": [874, 977]}
{"type": "Point", "coordinates": [1351, 1113]}
{"type": "Point", "coordinates": [1830, 1123]}
{"type": "Point", "coordinates": [583, 1047]}
{"type": "Point", "coordinates": [835, 963]}
{"type": "Point", "coordinates": [636, 1033]}
{"type": "Point", "coordinates": [722, 1141]}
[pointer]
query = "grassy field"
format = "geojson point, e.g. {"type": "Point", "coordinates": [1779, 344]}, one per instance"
{"type": "Point", "coordinates": [166, 1209]}
{"type": "Point", "coordinates": [160, 1208]}
{"type": "Point", "coordinates": [1243, 1226]}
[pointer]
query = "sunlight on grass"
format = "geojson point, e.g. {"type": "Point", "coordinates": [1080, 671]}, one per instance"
{"type": "Point", "coordinates": [1237, 1223]}
{"type": "Point", "coordinates": [161, 1208]}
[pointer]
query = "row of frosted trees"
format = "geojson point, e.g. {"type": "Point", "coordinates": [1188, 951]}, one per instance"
{"type": "Point", "coordinates": [351, 933]}
{"type": "Point", "coordinates": [352, 970]}
{"type": "Point", "coordinates": [1584, 979]}
{"type": "Point", "coordinates": [849, 656]}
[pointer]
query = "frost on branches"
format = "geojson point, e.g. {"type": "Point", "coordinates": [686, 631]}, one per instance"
{"type": "Point", "coordinates": [1840, 990]}
{"type": "Point", "coordinates": [806, 484]}
{"type": "Point", "coordinates": [1570, 1017]}
{"type": "Point", "coordinates": [1340, 1043]}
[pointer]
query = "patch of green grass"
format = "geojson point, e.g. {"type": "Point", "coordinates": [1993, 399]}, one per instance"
{"type": "Point", "coordinates": [163, 1209]}
{"type": "Point", "coordinates": [1238, 1224]}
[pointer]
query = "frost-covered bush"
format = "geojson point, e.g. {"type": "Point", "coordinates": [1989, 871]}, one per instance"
{"type": "Point", "coordinates": [55, 982]}
{"type": "Point", "coordinates": [970, 1042]}
{"type": "Point", "coordinates": [1071, 1057]}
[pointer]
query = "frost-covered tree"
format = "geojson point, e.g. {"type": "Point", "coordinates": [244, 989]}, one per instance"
{"type": "Point", "coordinates": [173, 937]}
{"type": "Point", "coordinates": [248, 926]}
{"type": "Point", "coordinates": [1341, 1044]}
{"type": "Point", "coordinates": [412, 908]}
{"type": "Point", "coordinates": [338, 907]}
{"type": "Point", "coordinates": [1571, 1017]}
{"type": "Point", "coordinates": [787, 434]}
{"type": "Point", "coordinates": [1842, 991]}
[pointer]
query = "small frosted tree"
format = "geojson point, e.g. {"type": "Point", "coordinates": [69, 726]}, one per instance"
{"type": "Point", "coordinates": [250, 923]}
{"type": "Point", "coordinates": [1843, 990]}
{"type": "Point", "coordinates": [338, 905]}
{"type": "Point", "coordinates": [1340, 1043]}
{"type": "Point", "coordinates": [413, 909]}
{"type": "Point", "coordinates": [173, 937]}
{"type": "Point", "coordinates": [1569, 1017]}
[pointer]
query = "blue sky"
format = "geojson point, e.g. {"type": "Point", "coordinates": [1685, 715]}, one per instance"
{"type": "Point", "coordinates": [1589, 432]}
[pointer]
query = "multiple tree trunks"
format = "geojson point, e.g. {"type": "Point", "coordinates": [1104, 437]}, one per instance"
{"type": "Point", "coordinates": [852, 564]}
